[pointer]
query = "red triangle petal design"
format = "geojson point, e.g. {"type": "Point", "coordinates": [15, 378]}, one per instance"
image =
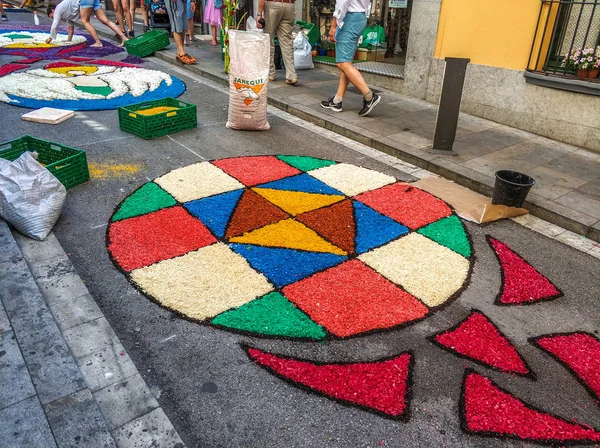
{"type": "Point", "coordinates": [477, 338]}
{"type": "Point", "coordinates": [492, 411]}
{"type": "Point", "coordinates": [381, 386]}
{"type": "Point", "coordinates": [522, 284]}
{"type": "Point", "coordinates": [580, 352]}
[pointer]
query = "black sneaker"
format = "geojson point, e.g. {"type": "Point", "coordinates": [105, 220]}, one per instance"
{"type": "Point", "coordinates": [4, 18]}
{"type": "Point", "coordinates": [329, 104]}
{"type": "Point", "coordinates": [131, 34]}
{"type": "Point", "coordinates": [368, 106]}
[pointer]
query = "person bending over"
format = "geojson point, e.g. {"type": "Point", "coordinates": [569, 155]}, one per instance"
{"type": "Point", "coordinates": [65, 11]}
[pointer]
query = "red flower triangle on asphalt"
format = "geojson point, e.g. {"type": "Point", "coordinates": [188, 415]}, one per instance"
{"type": "Point", "coordinates": [335, 223]}
{"type": "Point", "coordinates": [521, 283]}
{"type": "Point", "coordinates": [252, 212]}
{"type": "Point", "coordinates": [580, 352]}
{"type": "Point", "coordinates": [382, 386]}
{"type": "Point", "coordinates": [489, 410]}
{"type": "Point", "coordinates": [477, 338]}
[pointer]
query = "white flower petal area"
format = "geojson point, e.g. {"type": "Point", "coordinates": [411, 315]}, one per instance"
{"type": "Point", "coordinates": [87, 87]}
{"type": "Point", "coordinates": [29, 39]}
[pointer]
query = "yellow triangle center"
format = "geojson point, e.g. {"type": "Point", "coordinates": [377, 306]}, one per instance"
{"type": "Point", "coordinates": [289, 234]}
{"type": "Point", "coordinates": [296, 202]}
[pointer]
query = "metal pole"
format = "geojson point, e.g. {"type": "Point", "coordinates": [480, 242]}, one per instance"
{"type": "Point", "coordinates": [447, 117]}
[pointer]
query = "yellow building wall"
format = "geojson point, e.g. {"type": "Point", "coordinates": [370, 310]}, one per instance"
{"type": "Point", "coordinates": [497, 33]}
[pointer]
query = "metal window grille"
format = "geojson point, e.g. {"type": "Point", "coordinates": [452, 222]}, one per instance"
{"type": "Point", "coordinates": [563, 27]}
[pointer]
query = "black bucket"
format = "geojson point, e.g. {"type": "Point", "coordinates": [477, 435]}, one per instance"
{"type": "Point", "coordinates": [511, 188]}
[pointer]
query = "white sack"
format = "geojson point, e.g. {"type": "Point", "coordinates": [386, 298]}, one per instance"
{"type": "Point", "coordinates": [31, 198]}
{"type": "Point", "coordinates": [248, 78]}
{"type": "Point", "coordinates": [302, 53]}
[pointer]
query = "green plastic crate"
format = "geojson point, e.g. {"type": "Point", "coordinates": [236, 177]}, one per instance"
{"type": "Point", "coordinates": [147, 43]}
{"type": "Point", "coordinates": [69, 165]}
{"type": "Point", "coordinates": [313, 32]}
{"type": "Point", "coordinates": [157, 125]}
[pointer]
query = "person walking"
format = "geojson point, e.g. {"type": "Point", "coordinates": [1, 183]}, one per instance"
{"type": "Point", "coordinates": [120, 15]}
{"type": "Point", "coordinates": [178, 16]}
{"type": "Point", "coordinates": [189, 36]}
{"type": "Point", "coordinates": [280, 19]}
{"type": "Point", "coordinates": [347, 26]}
{"type": "Point", "coordinates": [213, 17]}
{"type": "Point", "coordinates": [87, 7]}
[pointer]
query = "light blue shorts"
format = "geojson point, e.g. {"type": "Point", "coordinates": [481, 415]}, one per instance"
{"type": "Point", "coordinates": [347, 37]}
{"type": "Point", "coordinates": [90, 4]}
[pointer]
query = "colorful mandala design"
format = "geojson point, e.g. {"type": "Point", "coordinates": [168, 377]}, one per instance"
{"type": "Point", "coordinates": [291, 247]}
{"type": "Point", "coordinates": [31, 43]}
{"type": "Point", "coordinates": [94, 85]}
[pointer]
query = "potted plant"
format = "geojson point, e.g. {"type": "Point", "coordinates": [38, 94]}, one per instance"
{"type": "Point", "coordinates": [584, 61]}
{"type": "Point", "coordinates": [330, 49]}
{"type": "Point", "coordinates": [323, 44]}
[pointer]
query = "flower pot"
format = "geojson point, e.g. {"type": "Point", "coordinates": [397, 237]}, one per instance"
{"type": "Point", "coordinates": [583, 73]}
{"type": "Point", "coordinates": [594, 73]}
{"type": "Point", "coordinates": [331, 53]}
{"type": "Point", "coordinates": [322, 52]}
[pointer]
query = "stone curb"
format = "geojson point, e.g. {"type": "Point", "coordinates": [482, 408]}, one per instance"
{"type": "Point", "coordinates": [72, 366]}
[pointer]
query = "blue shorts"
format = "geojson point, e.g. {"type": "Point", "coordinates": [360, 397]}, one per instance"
{"type": "Point", "coordinates": [178, 16]}
{"type": "Point", "coordinates": [90, 4]}
{"type": "Point", "coordinates": [347, 37]}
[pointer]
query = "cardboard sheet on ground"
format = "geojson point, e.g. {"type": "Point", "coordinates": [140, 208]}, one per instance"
{"type": "Point", "coordinates": [469, 205]}
{"type": "Point", "coordinates": [48, 115]}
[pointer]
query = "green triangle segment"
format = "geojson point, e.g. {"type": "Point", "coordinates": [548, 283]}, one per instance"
{"type": "Point", "coordinates": [449, 232]}
{"type": "Point", "coordinates": [271, 315]}
{"type": "Point", "coordinates": [149, 198]}
{"type": "Point", "coordinates": [305, 163]}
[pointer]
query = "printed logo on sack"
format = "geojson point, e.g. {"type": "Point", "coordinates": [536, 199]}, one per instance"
{"type": "Point", "coordinates": [250, 88]}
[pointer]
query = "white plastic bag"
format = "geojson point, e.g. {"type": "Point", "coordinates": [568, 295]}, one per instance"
{"type": "Point", "coordinates": [31, 198]}
{"type": "Point", "coordinates": [302, 52]}
{"type": "Point", "coordinates": [248, 78]}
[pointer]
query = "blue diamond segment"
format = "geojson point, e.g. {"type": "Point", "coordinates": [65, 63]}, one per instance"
{"type": "Point", "coordinates": [285, 266]}
{"type": "Point", "coordinates": [374, 229]}
{"type": "Point", "coordinates": [302, 182]}
{"type": "Point", "coordinates": [215, 211]}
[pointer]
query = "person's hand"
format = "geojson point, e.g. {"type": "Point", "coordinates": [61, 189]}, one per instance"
{"type": "Point", "coordinates": [332, 34]}
{"type": "Point", "coordinates": [193, 7]}
{"type": "Point", "coordinates": [48, 40]}
{"type": "Point", "coordinates": [260, 23]}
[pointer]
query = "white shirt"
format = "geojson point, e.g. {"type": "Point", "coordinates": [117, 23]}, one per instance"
{"type": "Point", "coordinates": [67, 11]}
{"type": "Point", "coordinates": [344, 6]}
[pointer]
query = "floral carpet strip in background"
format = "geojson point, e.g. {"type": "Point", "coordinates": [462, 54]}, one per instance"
{"type": "Point", "coordinates": [94, 85]}
{"type": "Point", "coordinates": [580, 353]}
{"type": "Point", "coordinates": [522, 284]}
{"type": "Point", "coordinates": [478, 339]}
{"type": "Point", "coordinates": [383, 386]}
{"type": "Point", "coordinates": [488, 410]}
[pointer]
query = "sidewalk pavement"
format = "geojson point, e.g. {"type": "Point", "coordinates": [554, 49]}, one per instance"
{"type": "Point", "coordinates": [65, 379]}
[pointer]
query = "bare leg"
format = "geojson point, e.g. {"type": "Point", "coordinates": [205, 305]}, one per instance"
{"type": "Point", "coordinates": [127, 14]}
{"type": "Point", "coordinates": [101, 15]}
{"type": "Point", "coordinates": [178, 37]}
{"type": "Point", "coordinates": [352, 75]}
{"type": "Point", "coordinates": [119, 14]}
{"type": "Point", "coordinates": [213, 30]}
{"type": "Point", "coordinates": [86, 13]}
{"type": "Point", "coordinates": [190, 30]}
{"type": "Point", "coordinates": [342, 85]}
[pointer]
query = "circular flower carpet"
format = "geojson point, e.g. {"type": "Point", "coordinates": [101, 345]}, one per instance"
{"type": "Point", "coordinates": [303, 248]}
{"type": "Point", "coordinates": [291, 247]}
{"type": "Point", "coordinates": [94, 85]}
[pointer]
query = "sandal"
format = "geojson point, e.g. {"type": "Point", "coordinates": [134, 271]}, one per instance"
{"type": "Point", "coordinates": [185, 59]}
